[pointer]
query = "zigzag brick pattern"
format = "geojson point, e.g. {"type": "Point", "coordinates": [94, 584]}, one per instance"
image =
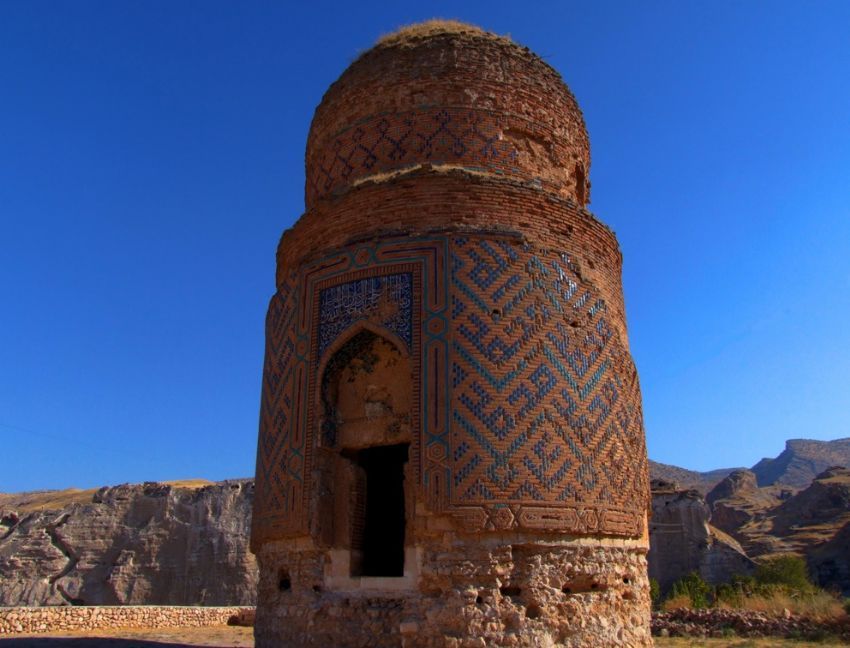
{"type": "Point", "coordinates": [545, 402]}
{"type": "Point", "coordinates": [281, 448]}
{"type": "Point", "coordinates": [545, 405]}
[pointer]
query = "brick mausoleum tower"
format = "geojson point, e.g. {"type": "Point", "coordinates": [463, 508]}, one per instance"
{"type": "Point", "coordinates": [451, 448]}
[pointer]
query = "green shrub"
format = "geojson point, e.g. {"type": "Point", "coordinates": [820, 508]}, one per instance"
{"type": "Point", "coordinates": [847, 605]}
{"type": "Point", "coordinates": [654, 592]}
{"type": "Point", "coordinates": [694, 587]}
{"type": "Point", "coordinates": [786, 572]}
{"type": "Point", "coordinates": [729, 594]}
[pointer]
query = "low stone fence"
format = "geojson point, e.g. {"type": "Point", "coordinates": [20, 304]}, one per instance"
{"type": "Point", "coordinates": [715, 622]}
{"type": "Point", "coordinates": [14, 620]}
{"type": "Point", "coordinates": [678, 623]}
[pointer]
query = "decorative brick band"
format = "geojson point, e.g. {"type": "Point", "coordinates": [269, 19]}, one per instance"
{"type": "Point", "coordinates": [477, 139]}
{"type": "Point", "coordinates": [478, 104]}
{"type": "Point", "coordinates": [19, 620]}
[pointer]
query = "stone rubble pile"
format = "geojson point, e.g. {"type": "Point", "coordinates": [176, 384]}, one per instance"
{"type": "Point", "coordinates": [716, 622]}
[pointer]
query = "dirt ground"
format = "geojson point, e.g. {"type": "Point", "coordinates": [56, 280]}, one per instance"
{"type": "Point", "coordinates": [210, 637]}
{"type": "Point", "coordinates": [742, 643]}
{"type": "Point", "coordinates": [236, 637]}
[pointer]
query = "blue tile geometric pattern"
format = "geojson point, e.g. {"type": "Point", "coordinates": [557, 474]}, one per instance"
{"type": "Point", "coordinates": [384, 299]}
{"type": "Point", "coordinates": [529, 405]}
{"type": "Point", "coordinates": [280, 453]}
{"type": "Point", "coordinates": [545, 405]}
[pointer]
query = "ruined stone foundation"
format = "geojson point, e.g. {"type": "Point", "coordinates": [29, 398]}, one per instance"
{"type": "Point", "coordinates": [451, 446]}
{"type": "Point", "coordinates": [497, 591]}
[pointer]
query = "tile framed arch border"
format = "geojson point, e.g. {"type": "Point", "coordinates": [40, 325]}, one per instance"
{"type": "Point", "coordinates": [292, 380]}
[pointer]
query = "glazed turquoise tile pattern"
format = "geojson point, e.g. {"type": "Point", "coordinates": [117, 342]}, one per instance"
{"type": "Point", "coordinates": [545, 401]}
{"type": "Point", "coordinates": [529, 406]}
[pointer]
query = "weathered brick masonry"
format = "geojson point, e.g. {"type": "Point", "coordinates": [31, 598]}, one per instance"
{"type": "Point", "coordinates": [482, 103]}
{"type": "Point", "coordinates": [451, 445]}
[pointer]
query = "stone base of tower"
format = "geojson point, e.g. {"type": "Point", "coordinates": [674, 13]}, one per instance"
{"type": "Point", "coordinates": [484, 591]}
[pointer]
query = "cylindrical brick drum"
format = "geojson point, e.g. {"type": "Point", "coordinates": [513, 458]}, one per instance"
{"type": "Point", "coordinates": [451, 447]}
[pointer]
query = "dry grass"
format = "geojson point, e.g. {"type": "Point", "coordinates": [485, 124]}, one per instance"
{"type": "Point", "coordinates": [677, 603]}
{"type": "Point", "coordinates": [818, 605]}
{"type": "Point", "coordinates": [53, 500]}
{"type": "Point", "coordinates": [433, 27]}
{"type": "Point", "coordinates": [771, 642]}
{"type": "Point", "coordinates": [189, 483]}
{"type": "Point", "coordinates": [45, 500]}
{"type": "Point", "coordinates": [209, 637]}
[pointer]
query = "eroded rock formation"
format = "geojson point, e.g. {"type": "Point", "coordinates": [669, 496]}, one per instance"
{"type": "Point", "coordinates": [739, 505]}
{"type": "Point", "coordinates": [131, 544]}
{"type": "Point", "coordinates": [687, 530]}
{"type": "Point", "coordinates": [683, 541]}
{"type": "Point", "coordinates": [781, 519]}
{"type": "Point", "coordinates": [829, 563]}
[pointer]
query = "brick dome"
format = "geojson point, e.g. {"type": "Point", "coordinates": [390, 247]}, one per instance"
{"type": "Point", "coordinates": [448, 94]}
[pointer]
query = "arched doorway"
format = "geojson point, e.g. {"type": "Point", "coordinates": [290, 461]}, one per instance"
{"type": "Point", "coordinates": [366, 401]}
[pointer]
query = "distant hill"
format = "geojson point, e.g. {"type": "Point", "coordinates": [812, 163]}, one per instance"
{"type": "Point", "coordinates": [797, 466]}
{"type": "Point", "coordinates": [801, 461]}
{"type": "Point", "coordinates": [700, 481]}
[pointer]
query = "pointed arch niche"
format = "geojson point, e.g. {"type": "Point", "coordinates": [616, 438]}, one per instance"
{"type": "Point", "coordinates": [366, 402]}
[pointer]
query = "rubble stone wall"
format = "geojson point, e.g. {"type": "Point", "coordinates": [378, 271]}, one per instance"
{"type": "Point", "coordinates": [717, 622]}
{"type": "Point", "coordinates": [493, 591]}
{"type": "Point", "coordinates": [19, 620]}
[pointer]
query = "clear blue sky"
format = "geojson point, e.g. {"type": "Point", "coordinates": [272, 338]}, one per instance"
{"type": "Point", "coordinates": [152, 153]}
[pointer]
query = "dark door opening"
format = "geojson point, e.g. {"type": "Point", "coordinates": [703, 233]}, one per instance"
{"type": "Point", "coordinates": [383, 528]}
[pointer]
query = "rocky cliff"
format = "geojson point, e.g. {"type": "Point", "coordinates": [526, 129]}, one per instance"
{"type": "Point", "coordinates": [739, 506]}
{"type": "Point", "coordinates": [829, 563]}
{"type": "Point", "coordinates": [739, 521]}
{"type": "Point", "coordinates": [681, 540]}
{"type": "Point", "coordinates": [778, 519]}
{"type": "Point", "coordinates": [801, 461]}
{"type": "Point", "coordinates": [132, 544]}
